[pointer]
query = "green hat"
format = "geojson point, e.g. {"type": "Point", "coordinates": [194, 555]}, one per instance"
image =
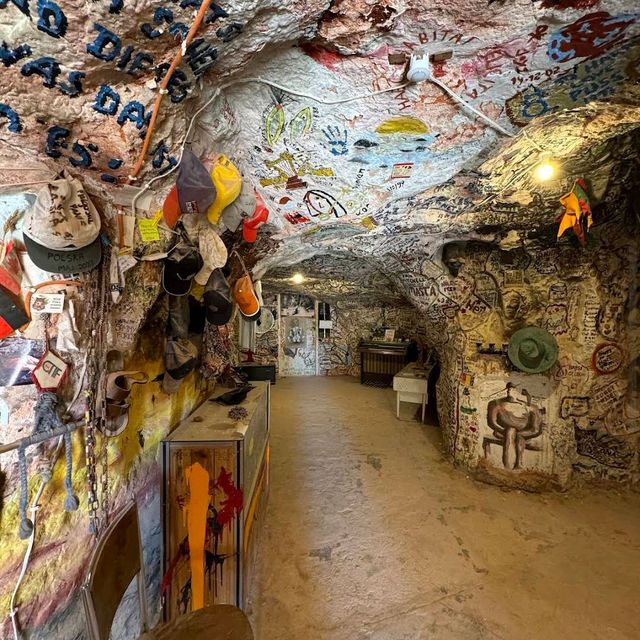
{"type": "Point", "coordinates": [533, 350]}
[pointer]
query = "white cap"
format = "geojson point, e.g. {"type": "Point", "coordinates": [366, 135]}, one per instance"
{"type": "Point", "coordinates": [212, 250]}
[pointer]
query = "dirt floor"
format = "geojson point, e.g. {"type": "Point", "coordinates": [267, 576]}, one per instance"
{"type": "Point", "coordinates": [371, 533]}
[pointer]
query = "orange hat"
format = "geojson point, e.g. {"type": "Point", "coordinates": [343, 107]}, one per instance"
{"type": "Point", "coordinates": [246, 298]}
{"type": "Point", "coordinates": [171, 208]}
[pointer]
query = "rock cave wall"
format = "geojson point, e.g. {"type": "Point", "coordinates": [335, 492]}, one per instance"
{"type": "Point", "coordinates": [388, 196]}
{"type": "Point", "coordinates": [339, 355]}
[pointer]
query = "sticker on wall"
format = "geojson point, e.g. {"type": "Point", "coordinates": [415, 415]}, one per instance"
{"type": "Point", "coordinates": [607, 358]}
{"type": "Point", "coordinates": [47, 303]}
{"type": "Point", "coordinates": [50, 372]}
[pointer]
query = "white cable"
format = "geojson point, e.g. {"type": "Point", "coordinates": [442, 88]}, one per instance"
{"type": "Point", "coordinates": [13, 611]}
{"type": "Point", "coordinates": [360, 96]}
{"type": "Point", "coordinates": [240, 81]}
{"type": "Point", "coordinates": [463, 102]}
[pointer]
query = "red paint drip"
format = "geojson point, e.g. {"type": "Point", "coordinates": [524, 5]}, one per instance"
{"type": "Point", "coordinates": [232, 506]}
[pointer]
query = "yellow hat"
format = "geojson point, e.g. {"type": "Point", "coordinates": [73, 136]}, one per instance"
{"type": "Point", "coordinates": [228, 183]}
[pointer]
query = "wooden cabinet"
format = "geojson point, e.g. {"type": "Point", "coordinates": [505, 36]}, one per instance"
{"type": "Point", "coordinates": [235, 455]}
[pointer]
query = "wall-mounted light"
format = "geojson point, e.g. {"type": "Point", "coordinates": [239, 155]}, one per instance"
{"type": "Point", "coordinates": [545, 169]}
{"type": "Point", "coordinates": [297, 278]}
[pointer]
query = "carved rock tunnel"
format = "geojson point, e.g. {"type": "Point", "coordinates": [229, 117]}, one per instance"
{"type": "Point", "coordinates": [419, 205]}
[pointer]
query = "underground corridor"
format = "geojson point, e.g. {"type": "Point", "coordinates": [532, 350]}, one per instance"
{"type": "Point", "coordinates": [319, 320]}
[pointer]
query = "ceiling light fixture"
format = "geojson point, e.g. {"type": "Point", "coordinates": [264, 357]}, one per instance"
{"type": "Point", "coordinates": [297, 278]}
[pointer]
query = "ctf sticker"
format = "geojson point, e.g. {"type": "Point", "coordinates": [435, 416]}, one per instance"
{"type": "Point", "coordinates": [50, 372]}
{"type": "Point", "coordinates": [607, 358]}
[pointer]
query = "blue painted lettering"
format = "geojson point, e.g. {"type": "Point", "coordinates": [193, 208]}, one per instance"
{"type": "Point", "coordinates": [56, 138]}
{"type": "Point", "coordinates": [134, 112]}
{"type": "Point", "coordinates": [11, 56]}
{"type": "Point", "coordinates": [201, 56]}
{"type": "Point", "coordinates": [106, 46]}
{"type": "Point", "coordinates": [229, 31]}
{"type": "Point", "coordinates": [161, 14]}
{"type": "Point", "coordinates": [45, 67]}
{"type": "Point", "coordinates": [74, 88]}
{"type": "Point", "coordinates": [15, 126]}
{"type": "Point", "coordinates": [141, 62]}
{"type": "Point", "coordinates": [23, 5]}
{"type": "Point", "coordinates": [51, 19]}
{"type": "Point", "coordinates": [216, 12]}
{"type": "Point", "coordinates": [178, 86]}
{"type": "Point", "coordinates": [107, 100]}
{"type": "Point", "coordinates": [84, 157]}
{"type": "Point", "coordinates": [161, 155]}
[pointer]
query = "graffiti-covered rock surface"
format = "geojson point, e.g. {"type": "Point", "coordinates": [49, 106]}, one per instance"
{"type": "Point", "coordinates": [417, 201]}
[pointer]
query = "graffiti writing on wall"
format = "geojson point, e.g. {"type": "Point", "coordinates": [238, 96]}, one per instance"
{"type": "Point", "coordinates": [106, 46]}
{"type": "Point", "coordinates": [593, 79]}
{"type": "Point", "coordinates": [588, 37]}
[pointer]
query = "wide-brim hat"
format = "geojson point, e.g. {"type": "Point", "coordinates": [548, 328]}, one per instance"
{"type": "Point", "coordinates": [533, 350]}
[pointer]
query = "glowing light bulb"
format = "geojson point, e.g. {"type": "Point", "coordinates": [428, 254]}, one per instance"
{"type": "Point", "coordinates": [544, 171]}
{"type": "Point", "coordinates": [297, 278]}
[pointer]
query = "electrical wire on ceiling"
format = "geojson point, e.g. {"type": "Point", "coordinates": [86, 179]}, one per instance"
{"type": "Point", "coordinates": [295, 92]}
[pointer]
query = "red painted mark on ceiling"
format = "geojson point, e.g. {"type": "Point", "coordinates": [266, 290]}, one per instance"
{"type": "Point", "coordinates": [589, 36]}
{"type": "Point", "coordinates": [328, 59]}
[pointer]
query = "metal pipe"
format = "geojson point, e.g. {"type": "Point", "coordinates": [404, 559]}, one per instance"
{"type": "Point", "coordinates": [40, 437]}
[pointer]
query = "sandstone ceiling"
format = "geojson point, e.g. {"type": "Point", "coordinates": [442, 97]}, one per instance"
{"type": "Point", "coordinates": [357, 185]}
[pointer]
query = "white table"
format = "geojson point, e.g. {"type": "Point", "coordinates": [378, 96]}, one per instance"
{"type": "Point", "coordinates": [411, 385]}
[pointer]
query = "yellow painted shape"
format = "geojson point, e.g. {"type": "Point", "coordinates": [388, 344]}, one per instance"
{"type": "Point", "coordinates": [301, 123]}
{"type": "Point", "coordinates": [196, 514]}
{"type": "Point", "coordinates": [274, 124]}
{"type": "Point", "coordinates": [402, 124]}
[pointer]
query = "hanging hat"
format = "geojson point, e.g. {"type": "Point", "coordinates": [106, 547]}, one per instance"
{"type": "Point", "coordinates": [180, 359]}
{"type": "Point", "coordinates": [180, 267]}
{"type": "Point", "coordinates": [243, 206]}
{"type": "Point", "coordinates": [246, 298]}
{"type": "Point", "coordinates": [217, 299]}
{"type": "Point", "coordinates": [212, 250]}
{"type": "Point", "coordinates": [250, 225]}
{"type": "Point", "coordinates": [228, 183]}
{"type": "Point", "coordinates": [533, 350]}
{"type": "Point", "coordinates": [171, 208]}
{"type": "Point", "coordinates": [62, 230]}
{"type": "Point", "coordinates": [196, 191]}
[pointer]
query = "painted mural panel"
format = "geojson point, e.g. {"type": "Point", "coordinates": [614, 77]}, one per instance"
{"type": "Point", "coordinates": [298, 346]}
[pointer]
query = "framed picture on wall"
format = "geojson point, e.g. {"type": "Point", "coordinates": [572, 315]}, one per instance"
{"type": "Point", "coordinates": [389, 335]}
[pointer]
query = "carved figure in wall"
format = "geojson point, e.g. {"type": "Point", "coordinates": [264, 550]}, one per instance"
{"type": "Point", "coordinates": [514, 423]}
